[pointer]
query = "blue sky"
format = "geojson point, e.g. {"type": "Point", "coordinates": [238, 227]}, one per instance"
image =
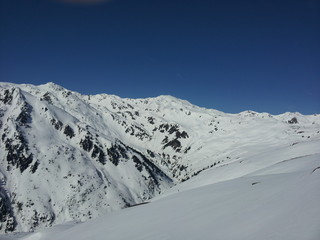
{"type": "Point", "coordinates": [229, 55]}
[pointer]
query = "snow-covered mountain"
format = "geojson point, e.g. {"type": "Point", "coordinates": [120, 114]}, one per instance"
{"type": "Point", "coordinates": [66, 156]}
{"type": "Point", "coordinates": [272, 195]}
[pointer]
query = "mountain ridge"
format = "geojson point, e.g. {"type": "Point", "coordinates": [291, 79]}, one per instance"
{"type": "Point", "coordinates": [67, 156]}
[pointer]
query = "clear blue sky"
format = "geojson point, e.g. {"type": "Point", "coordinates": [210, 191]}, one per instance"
{"type": "Point", "coordinates": [230, 55]}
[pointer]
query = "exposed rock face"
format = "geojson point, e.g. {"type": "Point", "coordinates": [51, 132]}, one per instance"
{"type": "Point", "coordinates": [7, 219]}
{"type": "Point", "coordinates": [66, 156]}
{"type": "Point", "coordinates": [293, 120]}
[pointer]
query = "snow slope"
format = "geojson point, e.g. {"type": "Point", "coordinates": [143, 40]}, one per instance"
{"type": "Point", "coordinates": [272, 195]}
{"type": "Point", "coordinates": [71, 157]}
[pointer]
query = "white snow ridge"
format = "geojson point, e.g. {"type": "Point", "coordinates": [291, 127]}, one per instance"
{"type": "Point", "coordinates": [97, 167]}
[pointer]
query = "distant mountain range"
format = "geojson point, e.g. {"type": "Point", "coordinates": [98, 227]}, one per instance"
{"type": "Point", "coordinates": [65, 156]}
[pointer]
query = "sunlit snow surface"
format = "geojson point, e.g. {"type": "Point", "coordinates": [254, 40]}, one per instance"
{"type": "Point", "coordinates": [273, 195]}
{"type": "Point", "coordinates": [261, 179]}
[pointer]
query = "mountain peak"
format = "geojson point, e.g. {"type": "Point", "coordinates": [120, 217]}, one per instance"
{"type": "Point", "coordinates": [52, 86]}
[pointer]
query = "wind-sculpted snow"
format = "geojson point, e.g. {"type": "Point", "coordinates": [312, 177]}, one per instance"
{"type": "Point", "coordinates": [71, 157]}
